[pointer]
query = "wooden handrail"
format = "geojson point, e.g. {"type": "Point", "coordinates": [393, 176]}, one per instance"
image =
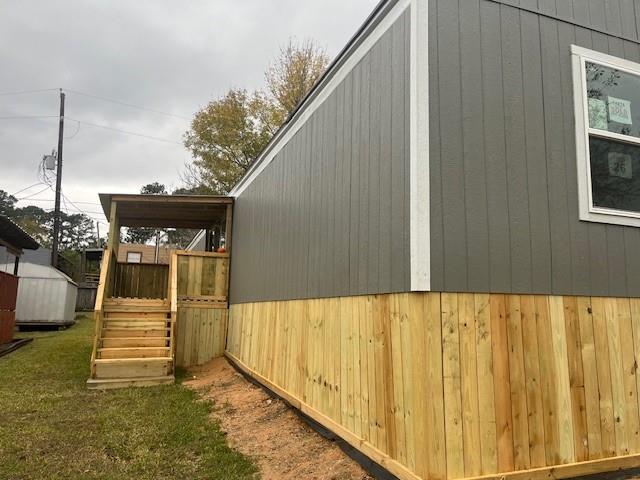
{"type": "Point", "coordinates": [190, 253]}
{"type": "Point", "coordinates": [104, 277]}
{"type": "Point", "coordinates": [102, 285]}
{"type": "Point", "coordinates": [173, 300]}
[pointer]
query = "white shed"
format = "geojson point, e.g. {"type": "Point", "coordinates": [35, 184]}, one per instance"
{"type": "Point", "coordinates": [46, 296]}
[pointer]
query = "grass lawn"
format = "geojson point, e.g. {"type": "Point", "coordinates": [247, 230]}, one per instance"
{"type": "Point", "coordinates": [52, 427]}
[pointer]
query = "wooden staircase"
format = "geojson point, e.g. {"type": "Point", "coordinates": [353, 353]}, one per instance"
{"type": "Point", "coordinates": [133, 344]}
{"type": "Point", "coordinates": [136, 307]}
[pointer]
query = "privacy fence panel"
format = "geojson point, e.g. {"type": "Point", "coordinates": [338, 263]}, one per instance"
{"type": "Point", "coordinates": [202, 307]}
{"type": "Point", "coordinates": [140, 280]}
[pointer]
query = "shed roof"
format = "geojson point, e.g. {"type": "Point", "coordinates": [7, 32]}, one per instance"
{"type": "Point", "coordinates": [33, 270]}
{"type": "Point", "coordinates": [15, 238]}
{"type": "Point", "coordinates": [166, 211]}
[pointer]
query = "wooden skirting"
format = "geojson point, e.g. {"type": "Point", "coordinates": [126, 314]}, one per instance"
{"type": "Point", "coordinates": [446, 385]}
{"type": "Point", "coordinates": [200, 336]}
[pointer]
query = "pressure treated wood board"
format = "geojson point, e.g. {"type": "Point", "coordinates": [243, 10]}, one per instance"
{"type": "Point", "coordinates": [201, 295]}
{"type": "Point", "coordinates": [200, 335]}
{"type": "Point", "coordinates": [457, 385]}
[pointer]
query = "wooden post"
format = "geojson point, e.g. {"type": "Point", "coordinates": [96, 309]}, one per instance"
{"type": "Point", "coordinates": [227, 228]}
{"type": "Point", "coordinates": [15, 265]}
{"type": "Point", "coordinates": [215, 238]}
{"type": "Point", "coordinates": [83, 264]}
{"type": "Point", "coordinates": [207, 240]}
{"type": "Point", "coordinates": [112, 246]}
{"type": "Point", "coordinates": [114, 229]}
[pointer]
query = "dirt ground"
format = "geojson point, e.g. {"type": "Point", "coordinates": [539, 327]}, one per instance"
{"type": "Point", "coordinates": [267, 430]}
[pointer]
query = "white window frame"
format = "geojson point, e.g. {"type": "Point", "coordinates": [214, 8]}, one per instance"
{"type": "Point", "coordinates": [134, 253]}
{"type": "Point", "coordinates": [588, 211]}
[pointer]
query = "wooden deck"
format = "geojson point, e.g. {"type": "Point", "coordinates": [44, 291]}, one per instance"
{"type": "Point", "coordinates": [139, 341]}
{"type": "Point", "coordinates": [150, 318]}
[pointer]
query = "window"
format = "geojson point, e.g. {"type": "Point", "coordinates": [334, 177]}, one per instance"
{"type": "Point", "coordinates": [607, 104]}
{"type": "Point", "coordinates": [134, 257]}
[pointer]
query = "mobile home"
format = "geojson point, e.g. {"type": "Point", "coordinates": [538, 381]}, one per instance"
{"type": "Point", "coordinates": [437, 257]}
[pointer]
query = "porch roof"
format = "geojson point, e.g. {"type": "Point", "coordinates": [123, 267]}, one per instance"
{"type": "Point", "coordinates": [166, 211]}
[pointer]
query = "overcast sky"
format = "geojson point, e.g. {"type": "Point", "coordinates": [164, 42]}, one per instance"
{"type": "Point", "coordinates": [171, 56]}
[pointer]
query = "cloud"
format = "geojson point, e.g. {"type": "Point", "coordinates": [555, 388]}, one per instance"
{"type": "Point", "coordinates": [165, 55]}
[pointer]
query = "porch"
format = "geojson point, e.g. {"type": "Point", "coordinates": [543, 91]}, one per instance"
{"type": "Point", "coordinates": [150, 318]}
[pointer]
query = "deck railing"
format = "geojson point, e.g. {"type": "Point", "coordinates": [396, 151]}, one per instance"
{"type": "Point", "coordinates": [195, 284]}
{"type": "Point", "coordinates": [140, 280]}
{"type": "Point", "coordinates": [103, 290]}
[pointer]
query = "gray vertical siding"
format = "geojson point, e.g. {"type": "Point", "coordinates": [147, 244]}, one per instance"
{"type": "Point", "coordinates": [614, 17]}
{"type": "Point", "coordinates": [329, 215]}
{"type": "Point", "coordinates": [504, 200]}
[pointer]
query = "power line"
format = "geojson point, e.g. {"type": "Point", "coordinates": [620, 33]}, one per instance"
{"type": "Point", "coordinates": [91, 214]}
{"type": "Point", "coordinates": [69, 212]}
{"type": "Point", "coordinates": [75, 133]}
{"type": "Point", "coordinates": [24, 92]}
{"type": "Point", "coordinates": [34, 194]}
{"type": "Point", "coordinates": [27, 188]}
{"type": "Point", "coordinates": [78, 208]}
{"type": "Point", "coordinates": [51, 200]}
{"type": "Point", "coordinates": [65, 205]}
{"type": "Point", "coordinates": [22, 117]}
{"type": "Point", "coordinates": [106, 127]}
{"type": "Point", "coordinates": [130, 105]}
{"type": "Point", "coordinates": [89, 203]}
{"type": "Point", "coordinates": [126, 132]}
{"type": "Point", "coordinates": [100, 97]}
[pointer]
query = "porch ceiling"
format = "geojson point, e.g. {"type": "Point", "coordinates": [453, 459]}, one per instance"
{"type": "Point", "coordinates": [166, 211]}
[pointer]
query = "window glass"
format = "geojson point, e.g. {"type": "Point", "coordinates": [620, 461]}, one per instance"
{"type": "Point", "coordinates": [613, 100]}
{"type": "Point", "coordinates": [615, 174]}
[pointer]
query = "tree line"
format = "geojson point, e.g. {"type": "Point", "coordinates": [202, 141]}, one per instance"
{"type": "Point", "coordinates": [76, 230]}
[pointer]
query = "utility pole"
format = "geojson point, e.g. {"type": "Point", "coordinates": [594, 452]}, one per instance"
{"type": "Point", "coordinates": [98, 228]}
{"type": "Point", "coordinates": [56, 215]}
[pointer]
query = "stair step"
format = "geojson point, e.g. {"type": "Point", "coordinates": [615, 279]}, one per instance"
{"type": "Point", "coordinates": [134, 301]}
{"type": "Point", "coordinates": [106, 383]}
{"type": "Point", "coordinates": [118, 332]}
{"type": "Point", "coordinates": [136, 315]}
{"type": "Point", "coordinates": [131, 368]}
{"type": "Point", "coordinates": [136, 319]}
{"type": "Point", "coordinates": [136, 305]}
{"type": "Point", "coordinates": [143, 341]}
{"type": "Point", "coordinates": [134, 324]}
{"type": "Point", "coordinates": [136, 311]}
{"type": "Point", "coordinates": [133, 352]}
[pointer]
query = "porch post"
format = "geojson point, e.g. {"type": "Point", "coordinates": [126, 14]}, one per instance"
{"type": "Point", "coordinates": [114, 229]}
{"type": "Point", "coordinates": [227, 228]}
